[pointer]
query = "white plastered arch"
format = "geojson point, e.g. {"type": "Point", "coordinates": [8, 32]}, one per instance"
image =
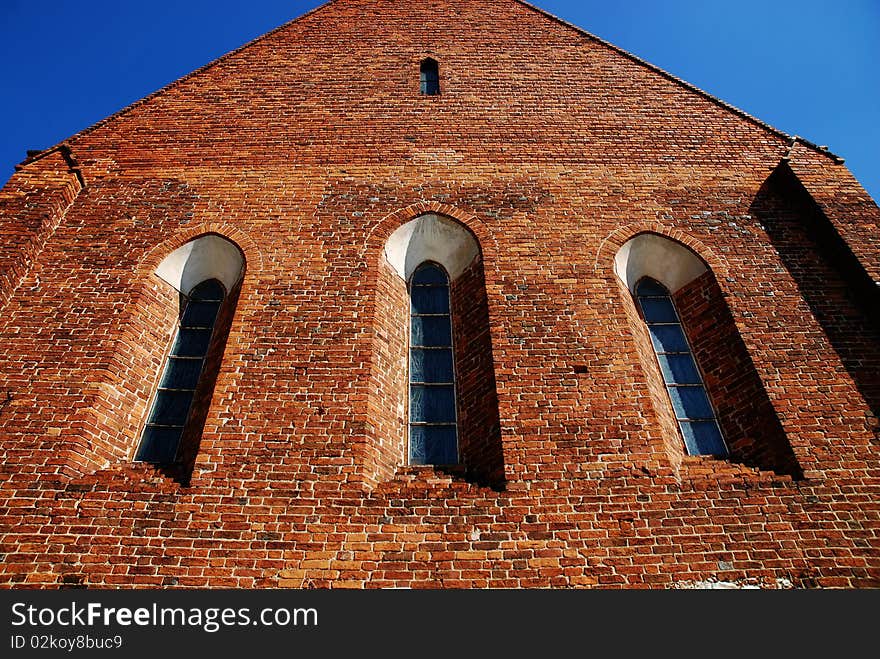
{"type": "Point", "coordinates": [208, 257]}
{"type": "Point", "coordinates": [662, 259]}
{"type": "Point", "coordinates": [435, 238]}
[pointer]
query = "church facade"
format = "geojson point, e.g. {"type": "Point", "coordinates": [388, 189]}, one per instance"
{"type": "Point", "coordinates": [437, 295]}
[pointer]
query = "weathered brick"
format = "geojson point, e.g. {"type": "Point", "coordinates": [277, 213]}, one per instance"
{"type": "Point", "coordinates": [308, 149]}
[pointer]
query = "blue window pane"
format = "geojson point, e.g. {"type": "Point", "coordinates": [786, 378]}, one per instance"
{"type": "Point", "coordinates": [658, 310]}
{"type": "Point", "coordinates": [679, 369]}
{"type": "Point", "coordinates": [668, 338]}
{"type": "Point", "coordinates": [702, 435]}
{"type": "Point", "coordinates": [703, 438]}
{"type": "Point", "coordinates": [171, 408]}
{"type": "Point", "coordinates": [650, 287]}
{"type": "Point", "coordinates": [430, 274]}
{"type": "Point", "coordinates": [434, 365]}
{"type": "Point", "coordinates": [430, 299]}
{"type": "Point", "coordinates": [159, 444]}
{"type": "Point", "coordinates": [433, 445]}
{"type": "Point", "coordinates": [200, 314]}
{"type": "Point", "coordinates": [429, 404]}
{"type": "Point", "coordinates": [690, 403]}
{"type": "Point", "coordinates": [431, 331]}
{"type": "Point", "coordinates": [181, 373]}
{"type": "Point", "coordinates": [208, 290]}
{"type": "Point", "coordinates": [433, 435]}
{"type": "Point", "coordinates": [429, 75]}
{"type": "Point", "coordinates": [191, 342]}
{"type": "Point", "coordinates": [171, 405]}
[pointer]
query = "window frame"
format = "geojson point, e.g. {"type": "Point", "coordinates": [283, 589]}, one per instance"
{"type": "Point", "coordinates": [409, 381]}
{"type": "Point", "coordinates": [169, 355]}
{"type": "Point", "coordinates": [667, 385]}
{"type": "Point", "coordinates": [427, 66]}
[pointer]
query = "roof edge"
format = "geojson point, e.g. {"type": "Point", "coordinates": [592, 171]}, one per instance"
{"type": "Point", "coordinates": [171, 85]}
{"type": "Point", "coordinates": [683, 83]}
{"type": "Point", "coordinates": [66, 152]}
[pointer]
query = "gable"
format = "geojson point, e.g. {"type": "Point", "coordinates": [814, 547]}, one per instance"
{"type": "Point", "coordinates": [341, 84]}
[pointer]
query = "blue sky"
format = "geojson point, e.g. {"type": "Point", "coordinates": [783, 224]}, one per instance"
{"type": "Point", "coordinates": [807, 67]}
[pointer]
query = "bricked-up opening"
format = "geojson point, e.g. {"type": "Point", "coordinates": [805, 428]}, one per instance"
{"type": "Point", "coordinates": [429, 77]}
{"type": "Point", "coordinates": [433, 245]}
{"type": "Point", "coordinates": [748, 422]}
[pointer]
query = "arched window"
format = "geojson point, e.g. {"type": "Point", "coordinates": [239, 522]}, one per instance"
{"type": "Point", "coordinates": [182, 373]}
{"type": "Point", "coordinates": [432, 394]}
{"type": "Point", "coordinates": [430, 77]}
{"type": "Point", "coordinates": [693, 410]}
{"type": "Point", "coordinates": [433, 431]}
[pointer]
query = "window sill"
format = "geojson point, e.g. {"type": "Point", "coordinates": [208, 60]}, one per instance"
{"type": "Point", "coordinates": [431, 478]}
{"type": "Point", "coordinates": [723, 471]}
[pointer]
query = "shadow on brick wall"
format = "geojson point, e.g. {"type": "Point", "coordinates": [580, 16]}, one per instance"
{"type": "Point", "coordinates": [839, 292]}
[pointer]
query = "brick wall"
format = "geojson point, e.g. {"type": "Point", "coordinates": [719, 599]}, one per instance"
{"type": "Point", "coordinates": [553, 149]}
{"type": "Point", "coordinates": [389, 384]}
{"type": "Point", "coordinates": [33, 207]}
{"type": "Point", "coordinates": [745, 414]}
{"type": "Point", "coordinates": [479, 428]}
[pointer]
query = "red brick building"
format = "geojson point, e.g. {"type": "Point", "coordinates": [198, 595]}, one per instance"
{"type": "Point", "coordinates": [437, 294]}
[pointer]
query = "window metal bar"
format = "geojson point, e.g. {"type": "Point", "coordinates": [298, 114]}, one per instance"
{"type": "Point", "coordinates": [192, 298]}
{"type": "Point", "coordinates": [672, 385]}
{"type": "Point", "coordinates": [440, 333]}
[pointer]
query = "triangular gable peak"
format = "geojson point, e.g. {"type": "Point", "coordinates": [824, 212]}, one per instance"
{"type": "Point", "coordinates": [70, 142]}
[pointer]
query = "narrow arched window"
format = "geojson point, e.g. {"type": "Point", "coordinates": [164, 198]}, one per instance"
{"type": "Point", "coordinates": [433, 432]}
{"type": "Point", "coordinates": [693, 410]}
{"type": "Point", "coordinates": [182, 373]}
{"type": "Point", "coordinates": [430, 77]}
